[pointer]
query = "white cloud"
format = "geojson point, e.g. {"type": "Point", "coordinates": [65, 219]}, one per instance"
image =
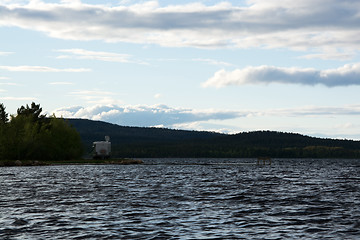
{"type": "Point", "coordinates": [316, 111]}
{"type": "Point", "coordinates": [270, 24]}
{"type": "Point", "coordinates": [97, 55]}
{"type": "Point", "coordinates": [96, 96]}
{"type": "Point", "coordinates": [19, 98]}
{"type": "Point", "coordinates": [61, 83]}
{"type": "Point", "coordinates": [142, 115]}
{"type": "Point", "coordinates": [165, 116]}
{"type": "Point", "coordinates": [91, 93]}
{"type": "Point", "coordinates": [9, 83]}
{"type": "Point", "coordinates": [347, 125]}
{"type": "Point", "coordinates": [212, 62]}
{"type": "Point", "coordinates": [343, 76]}
{"type": "Point", "coordinates": [330, 56]}
{"type": "Point", "coordinates": [207, 126]}
{"type": "Point", "coordinates": [5, 53]}
{"type": "Point", "coordinates": [42, 69]}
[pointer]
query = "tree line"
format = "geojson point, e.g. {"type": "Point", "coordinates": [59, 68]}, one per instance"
{"type": "Point", "coordinates": [213, 150]}
{"type": "Point", "coordinates": [137, 142]}
{"type": "Point", "coordinates": [31, 135]}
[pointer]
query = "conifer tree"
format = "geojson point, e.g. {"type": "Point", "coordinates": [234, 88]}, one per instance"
{"type": "Point", "coordinates": [32, 136]}
{"type": "Point", "coordinates": [3, 115]}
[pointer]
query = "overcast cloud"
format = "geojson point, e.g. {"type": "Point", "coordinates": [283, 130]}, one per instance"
{"type": "Point", "coordinates": [272, 23]}
{"type": "Point", "coordinates": [347, 75]}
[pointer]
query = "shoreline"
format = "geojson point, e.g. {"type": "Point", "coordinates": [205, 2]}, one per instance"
{"type": "Point", "coordinates": [29, 163]}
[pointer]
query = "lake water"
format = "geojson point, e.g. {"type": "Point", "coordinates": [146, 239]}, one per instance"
{"type": "Point", "coordinates": [183, 199]}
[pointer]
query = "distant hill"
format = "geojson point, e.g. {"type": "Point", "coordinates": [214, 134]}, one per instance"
{"type": "Point", "coordinates": [161, 142]}
{"type": "Point", "coordinates": [120, 136]}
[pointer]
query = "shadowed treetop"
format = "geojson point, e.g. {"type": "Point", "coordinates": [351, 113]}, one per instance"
{"type": "Point", "coordinates": [3, 115]}
{"type": "Point", "coordinates": [35, 111]}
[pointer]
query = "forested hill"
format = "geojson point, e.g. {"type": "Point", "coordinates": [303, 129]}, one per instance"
{"type": "Point", "coordinates": [160, 142]}
{"type": "Point", "coordinates": [91, 131]}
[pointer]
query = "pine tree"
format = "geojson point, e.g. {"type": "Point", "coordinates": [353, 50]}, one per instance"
{"type": "Point", "coordinates": [3, 115]}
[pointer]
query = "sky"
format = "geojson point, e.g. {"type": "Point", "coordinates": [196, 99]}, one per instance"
{"type": "Point", "coordinates": [224, 66]}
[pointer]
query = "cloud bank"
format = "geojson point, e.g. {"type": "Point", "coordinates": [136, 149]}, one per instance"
{"type": "Point", "coordinates": [165, 116]}
{"type": "Point", "coordinates": [344, 76]}
{"type": "Point", "coordinates": [271, 24]}
{"type": "Point", "coordinates": [144, 116]}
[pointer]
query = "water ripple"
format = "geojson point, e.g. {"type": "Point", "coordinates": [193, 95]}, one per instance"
{"type": "Point", "coordinates": [291, 199]}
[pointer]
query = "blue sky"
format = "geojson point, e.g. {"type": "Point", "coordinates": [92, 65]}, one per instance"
{"type": "Point", "coordinates": [228, 66]}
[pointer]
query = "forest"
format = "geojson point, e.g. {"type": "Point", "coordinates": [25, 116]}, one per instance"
{"type": "Point", "coordinates": [31, 135]}
{"type": "Point", "coordinates": [142, 142]}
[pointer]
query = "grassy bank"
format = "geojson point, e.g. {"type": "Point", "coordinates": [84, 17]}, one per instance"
{"type": "Point", "coordinates": [120, 161]}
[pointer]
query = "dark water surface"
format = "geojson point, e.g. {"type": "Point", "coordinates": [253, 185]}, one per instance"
{"type": "Point", "coordinates": [291, 199]}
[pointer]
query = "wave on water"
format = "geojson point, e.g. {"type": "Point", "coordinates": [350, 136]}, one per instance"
{"type": "Point", "coordinates": [183, 199]}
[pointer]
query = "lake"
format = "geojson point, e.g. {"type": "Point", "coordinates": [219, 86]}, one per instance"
{"type": "Point", "coordinates": [183, 199]}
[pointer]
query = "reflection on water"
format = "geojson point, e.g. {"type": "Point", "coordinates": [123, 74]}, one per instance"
{"type": "Point", "coordinates": [291, 199]}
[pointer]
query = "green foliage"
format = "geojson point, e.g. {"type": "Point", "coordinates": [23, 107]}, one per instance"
{"type": "Point", "coordinates": [31, 136]}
